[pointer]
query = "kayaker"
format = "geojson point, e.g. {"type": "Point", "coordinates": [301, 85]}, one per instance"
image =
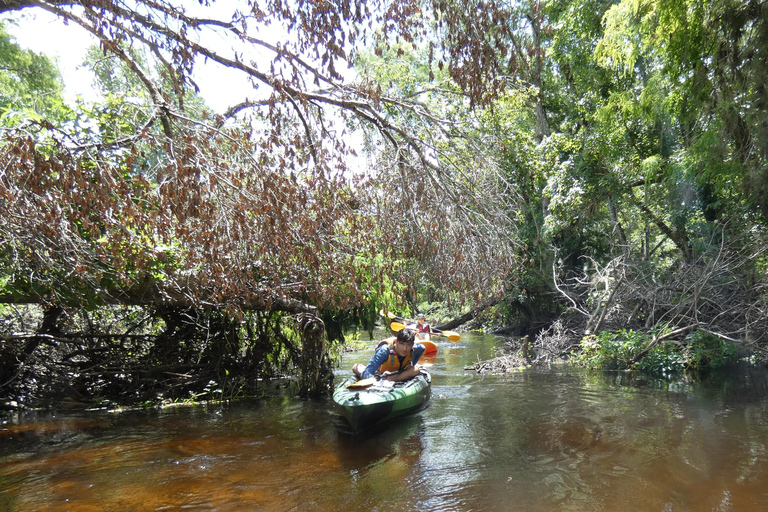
{"type": "Point", "coordinates": [394, 360]}
{"type": "Point", "coordinates": [421, 324]}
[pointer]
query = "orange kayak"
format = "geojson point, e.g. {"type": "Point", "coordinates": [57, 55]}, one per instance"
{"type": "Point", "coordinates": [430, 347]}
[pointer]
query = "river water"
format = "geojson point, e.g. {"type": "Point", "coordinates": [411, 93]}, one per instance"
{"type": "Point", "coordinates": [542, 439]}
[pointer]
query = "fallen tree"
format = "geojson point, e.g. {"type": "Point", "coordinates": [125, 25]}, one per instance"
{"type": "Point", "coordinates": [151, 200]}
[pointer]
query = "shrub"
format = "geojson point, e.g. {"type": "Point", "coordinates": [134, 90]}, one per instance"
{"type": "Point", "coordinates": [617, 351]}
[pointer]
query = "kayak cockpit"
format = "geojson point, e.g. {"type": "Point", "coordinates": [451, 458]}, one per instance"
{"type": "Point", "coordinates": [381, 401]}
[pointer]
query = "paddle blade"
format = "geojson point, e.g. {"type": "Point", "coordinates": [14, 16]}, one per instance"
{"type": "Point", "coordinates": [389, 314]}
{"type": "Point", "coordinates": [396, 326]}
{"type": "Point", "coordinates": [453, 336]}
{"type": "Point", "coordinates": [363, 383]}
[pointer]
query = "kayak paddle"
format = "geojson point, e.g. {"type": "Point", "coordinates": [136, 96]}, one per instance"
{"type": "Point", "coordinates": [396, 326]}
{"type": "Point", "coordinates": [362, 383]}
{"type": "Point", "coordinates": [451, 335]}
{"type": "Point", "coordinates": [389, 314]}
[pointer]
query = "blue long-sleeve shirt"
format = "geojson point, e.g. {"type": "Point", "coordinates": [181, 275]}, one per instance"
{"type": "Point", "coordinates": [382, 354]}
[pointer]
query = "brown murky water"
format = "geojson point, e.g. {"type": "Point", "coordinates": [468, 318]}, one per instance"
{"type": "Point", "coordinates": [538, 440]}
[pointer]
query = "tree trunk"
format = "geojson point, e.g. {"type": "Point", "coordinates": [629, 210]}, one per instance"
{"type": "Point", "coordinates": [316, 375]}
{"type": "Point", "coordinates": [466, 317]}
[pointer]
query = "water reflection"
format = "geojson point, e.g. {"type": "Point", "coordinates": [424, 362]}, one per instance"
{"type": "Point", "coordinates": [402, 438]}
{"type": "Point", "coordinates": [535, 440]}
{"type": "Point", "coordinates": [278, 457]}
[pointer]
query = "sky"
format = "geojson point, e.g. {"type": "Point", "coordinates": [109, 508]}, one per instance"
{"type": "Point", "coordinates": [42, 32]}
{"type": "Point", "coordinates": [220, 87]}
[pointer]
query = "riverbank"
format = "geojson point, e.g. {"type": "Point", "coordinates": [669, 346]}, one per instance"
{"type": "Point", "coordinates": [658, 350]}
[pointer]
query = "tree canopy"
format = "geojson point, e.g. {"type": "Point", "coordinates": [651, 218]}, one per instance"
{"type": "Point", "coordinates": [30, 84]}
{"type": "Point", "coordinates": [570, 159]}
{"type": "Point", "coordinates": [162, 201]}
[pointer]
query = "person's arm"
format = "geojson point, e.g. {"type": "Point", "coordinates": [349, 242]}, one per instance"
{"type": "Point", "coordinates": [406, 374]}
{"type": "Point", "coordinates": [381, 355]}
{"type": "Point", "coordinates": [418, 351]}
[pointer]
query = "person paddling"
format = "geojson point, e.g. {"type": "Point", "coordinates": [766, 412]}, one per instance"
{"type": "Point", "coordinates": [422, 325]}
{"type": "Point", "coordinates": [394, 360]}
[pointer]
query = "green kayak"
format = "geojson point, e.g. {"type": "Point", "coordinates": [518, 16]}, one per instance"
{"type": "Point", "coordinates": [382, 400]}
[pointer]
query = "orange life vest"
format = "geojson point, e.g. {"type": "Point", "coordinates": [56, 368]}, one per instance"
{"type": "Point", "coordinates": [393, 364]}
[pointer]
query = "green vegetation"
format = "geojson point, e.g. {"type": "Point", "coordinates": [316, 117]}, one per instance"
{"type": "Point", "coordinates": [621, 350]}
{"type": "Point", "coordinates": [591, 170]}
{"type": "Point", "coordinates": [30, 85]}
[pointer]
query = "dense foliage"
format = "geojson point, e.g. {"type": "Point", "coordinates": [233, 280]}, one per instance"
{"type": "Point", "coordinates": [652, 354]}
{"type": "Point", "coordinates": [639, 164]}
{"type": "Point", "coordinates": [147, 198]}
{"type": "Point", "coordinates": [599, 161]}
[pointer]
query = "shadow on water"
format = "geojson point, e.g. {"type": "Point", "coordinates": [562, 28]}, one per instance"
{"type": "Point", "coordinates": [359, 449]}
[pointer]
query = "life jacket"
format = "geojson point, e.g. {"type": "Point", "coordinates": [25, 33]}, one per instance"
{"type": "Point", "coordinates": [393, 364]}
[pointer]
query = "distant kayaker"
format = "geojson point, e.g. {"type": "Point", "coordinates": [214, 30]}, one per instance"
{"type": "Point", "coordinates": [394, 360]}
{"type": "Point", "coordinates": [421, 324]}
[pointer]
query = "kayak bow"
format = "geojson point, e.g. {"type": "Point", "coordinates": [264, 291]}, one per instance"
{"type": "Point", "coordinates": [381, 401]}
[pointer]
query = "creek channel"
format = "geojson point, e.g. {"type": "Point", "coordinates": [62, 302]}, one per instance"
{"type": "Point", "coordinates": [538, 439]}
